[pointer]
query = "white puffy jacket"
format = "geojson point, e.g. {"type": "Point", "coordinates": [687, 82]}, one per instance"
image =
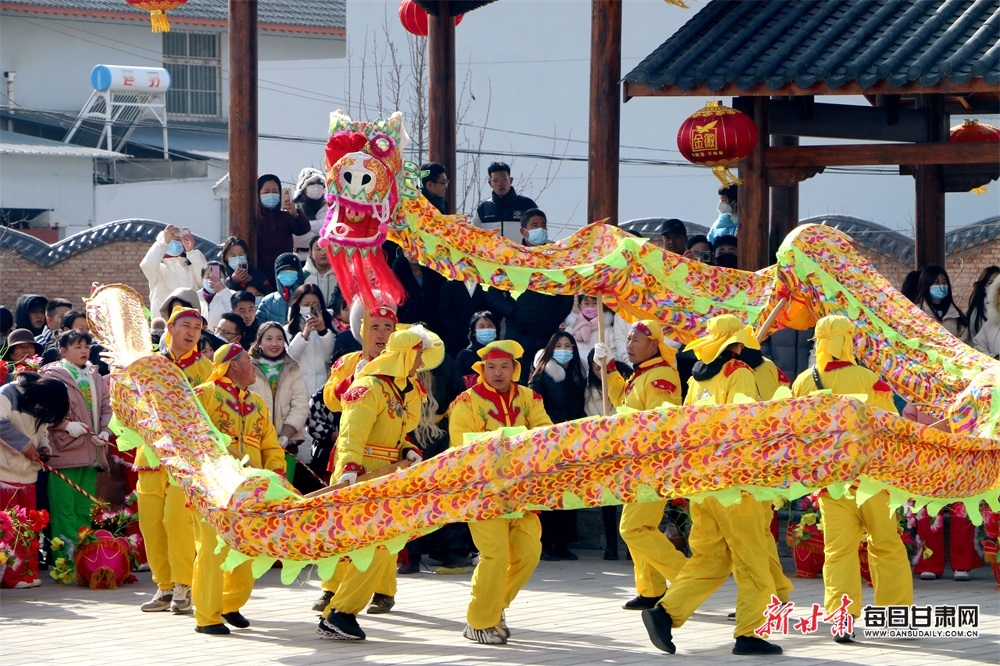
{"type": "Point", "coordinates": [166, 274]}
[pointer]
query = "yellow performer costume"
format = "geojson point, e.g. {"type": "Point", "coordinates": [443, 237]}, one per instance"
{"type": "Point", "coordinates": [724, 539]}
{"type": "Point", "coordinates": [238, 412]}
{"type": "Point", "coordinates": [380, 408]}
{"type": "Point", "coordinates": [843, 520]}
{"type": "Point", "coordinates": [165, 520]}
{"type": "Point", "coordinates": [509, 548]}
{"type": "Point", "coordinates": [655, 382]}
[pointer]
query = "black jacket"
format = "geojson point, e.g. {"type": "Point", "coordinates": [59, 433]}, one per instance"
{"type": "Point", "coordinates": [25, 304]}
{"type": "Point", "coordinates": [438, 202]}
{"type": "Point", "coordinates": [491, 212]}
{"type": "Point", "coordinates": [533, 316]}
{"type": "Point", "coordinates": [422, 298]}
{"type": "Point", "coordinates": [563, 397]}
{"type": "Point", "coordinates": [455, 311]}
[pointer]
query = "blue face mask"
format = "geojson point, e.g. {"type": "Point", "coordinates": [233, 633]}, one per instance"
{"type": "Point", "coordinates": [562, 356]}
{"type": "Point", "coordinates": [236, 262]}
{"type": "Point", "coordinates": [207, 285]}
{"type": "Point", "coordinates": [939, 292]}
{"type": "Point", "coordinates": [538, 236]}
{"type": "Point", "coordinates": [287, 278]}
{"type": "Point", "coordinates": [270, 200]}
{"type": "Point", "coordinates": [485, 336]}
{"type": "Point", "coordinates": [175, 247]}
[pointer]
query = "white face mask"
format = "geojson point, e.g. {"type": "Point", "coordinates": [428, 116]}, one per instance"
{"type": "Point", "coordinates": [315, 191]}
{"type": "Point", "coordinates": [724, 208]}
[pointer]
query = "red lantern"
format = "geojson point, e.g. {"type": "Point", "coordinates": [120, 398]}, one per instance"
{"type": "Point", "coordinates": [157, 11]}
{"type": "Point", "coordinates": [717, 137]}
{"type": "Point", "coordinates": [414, 18]}
{"type": "Point", "coordinates": [973, 130]}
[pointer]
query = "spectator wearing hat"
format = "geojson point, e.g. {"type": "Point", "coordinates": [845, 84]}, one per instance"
{"type": "Point", "coordinates": [29, 313]}
{"type": "Point", "coordinates": [182, 297]}
{"type": "Point", "coordinates": [289, 277]}
{"type": "Point", "coordinates": [671, 236]}
{"type": "Point", "coordinates": [171, 263]}
{"type": "Point", "coordinates": [503, 210]}
{"type": "Point", "coordinates": [278, 221]}
{"type": "Point", "coordinates": [23, 353]}
{"type": "Point", "coordinates": [310, 200]}
{"type": "Point", "coordinates": [434, 186]}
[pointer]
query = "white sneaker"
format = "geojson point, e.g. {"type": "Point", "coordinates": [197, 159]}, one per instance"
{"type": "Point", "coordinates": [21, 585]}
{"type": "Point", "coordinates": [181, 602]}
{"type": "Point", "coordinates": [927, 575]}
{"type": "Point", "coordinates": [38, 581]}
{"type": "Point", "coordinates": [159, 603]}
{"type": "Point", "coordinates": [491, 636]}
{"type": "Point", "coordinates": [961, 575]}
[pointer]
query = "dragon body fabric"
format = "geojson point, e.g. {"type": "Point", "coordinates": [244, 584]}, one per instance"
{"type": "Point", "coordinates": [786, 447]}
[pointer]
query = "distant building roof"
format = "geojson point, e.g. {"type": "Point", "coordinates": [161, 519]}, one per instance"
{"type": "Point", "coordinates": [12, 143]}
{"type": "Point", "coordinates": [457, 6]}
{"type": "Point", "coordinates": [828, 46]}
{"type": "Point", "coordinates": [648, 226]}
{"type": "Point", "coordinates": [293, 16]}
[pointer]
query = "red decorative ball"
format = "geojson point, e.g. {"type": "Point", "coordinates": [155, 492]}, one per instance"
{"type": "Point", "coordinates": [717, 136]}
{"type": "Point", "coordinates": [104, 563]}
{"type": "Point", "coordinates": [414, 18]}
{"type": "Point", "coordinates": [974, 131]}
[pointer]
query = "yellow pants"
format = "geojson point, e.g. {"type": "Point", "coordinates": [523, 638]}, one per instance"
{"type": "Point", "coordinates": [783, 586]}
{"type": "Point", "coordinates": [509, 550]}
{"type": "Point", "coordinates": [653, 556]}
{"type": "Point", "coordinates": [721, 543]}
{"type": "Point", "coordinates": [386, 584]}
{"type": "Point", "coordinates": [843, 521]}
{"type": "Point", "coordinates": [216, 591]}
{"type": "Point", "coordinates": [357, 587]}
{"type": "Point", "coordinates": [167, 527]}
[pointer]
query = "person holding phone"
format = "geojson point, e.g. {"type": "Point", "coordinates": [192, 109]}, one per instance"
{"type": "Point", "coordinates": [241, 272]}
{"type": "Point", "coordinates": [310, 330]}
{"type": "Point", "coordinates": [277, 222]}
{"type": "Point", "coordinates": [172, 263]}
{"type": "Point", "coordinates": [214, 296]}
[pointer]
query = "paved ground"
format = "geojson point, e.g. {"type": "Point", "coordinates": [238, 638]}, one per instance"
{"type": "Point", "coordinates": [569, 614]}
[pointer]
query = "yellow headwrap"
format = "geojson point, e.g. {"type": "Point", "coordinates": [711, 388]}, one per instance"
{"type": "Point", "coordinates": [396, 360]}
{"type": "Point", "coordinates": [179, 312]}
{"type": "Point", "coordinates": [723, 331]}
{"type": "Point", "coordinates": [654, 329]}
{"type": "Point", "coordinates": [224, 355]}
{"type": "Point", "coordinates": [500, 349]}
{"type": "Point", "coordinates": [433, 345]}
{"type": "Point", "coordinates": [834, 340]}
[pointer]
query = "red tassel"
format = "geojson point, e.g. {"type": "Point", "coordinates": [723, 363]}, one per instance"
{"type": "Point", "coordinates": [386, 281]}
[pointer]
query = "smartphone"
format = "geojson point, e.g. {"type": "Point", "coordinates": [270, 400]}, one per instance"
{"type": "Point", "coordinates": [184, 232]}
{"type": "Point", "coordinates": [242, 265]}
{"type": "Point", "coordinates": [286, 196]}
{"type": "Point", "coordinates": [214, 273]}
{"type": "Point", "coordinates": [315, 311]}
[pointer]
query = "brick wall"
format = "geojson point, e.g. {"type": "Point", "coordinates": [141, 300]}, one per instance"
{"type": "Point", "coordinates": [116, 262]}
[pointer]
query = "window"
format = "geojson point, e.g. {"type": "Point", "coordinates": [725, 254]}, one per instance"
{"type": "Point", "coordinates": [195, 65]}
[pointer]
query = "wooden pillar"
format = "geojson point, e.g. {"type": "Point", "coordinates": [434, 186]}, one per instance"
{"type": "Point", "coordinates": [442, 119]}
{"type": "Point", "coordinates": [754, 213]}
{"type": "Point", "coordinates": [243, 194]}
{"type": "Point", "coordinates": [784, 203]}
{"type": "Point", "coordinates": [929, 207]}
{"type": "Point", "coordinates": [605, 110]}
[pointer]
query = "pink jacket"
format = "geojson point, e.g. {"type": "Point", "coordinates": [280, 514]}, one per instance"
{"type": "Point", "coordinates": [78, 451]}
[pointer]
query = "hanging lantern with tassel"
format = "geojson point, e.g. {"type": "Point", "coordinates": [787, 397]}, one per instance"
{"type": "Point", "coordinates": [414, 18]}
{"type": "Point", "coordinates": [157, 11]}
{"type": "Point", "coordinates": [974, 131]}
{"type": "Point", "coordinates": [718, 137]}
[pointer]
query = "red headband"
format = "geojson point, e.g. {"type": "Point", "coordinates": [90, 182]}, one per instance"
{"type": "Point", "coordinates": [497, 353]}
{"type": "Point", "coordinates": [235, 349]}
{"type": "Point", "coordinates": [383, 313]}
{"type": "Point", "coordinates": [640, 327]}
{"type": "Point", "coordinates": [182, 313]}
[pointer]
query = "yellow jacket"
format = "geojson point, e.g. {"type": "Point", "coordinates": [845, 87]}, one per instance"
{"type": "Point", "coordinates": [843, 377]}
{"type": "Point", "coordinates": [341, 371]}
{"type": "Point", "coordinates": [734, 377]}
{"type": "Point", "coordinates": [196, 368]}
{"type": "Point", "coordinates": [769, 377]}
{"type": "Point", "coordinates": [482, 409]}
{"type": "Point", "coordinates": [243, 416]}
{"type": "Point", "coordinates": [654, 382]}
{"type": "Point", "coordinates": [376, 419]}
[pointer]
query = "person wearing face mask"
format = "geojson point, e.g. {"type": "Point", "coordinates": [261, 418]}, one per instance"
{"type": "Point", "coordinates": [532, 317]}
{"type": "Point", "coordinates": [582, 324]}
{"type": "Point", "coordinates": [289, 276]}
{"type": "Point", "coordinates": [171, 263]}
{"type": "Point", "coordinates": [560, 378]}
{"type": "Point", "coordinates": [318, 270]}
{"type": "Point", "coordinates": [934, 297]}
{"type": "Point", "coordinates": [310, 200]}
{"type": "Point", "coordinates": [278, 221]}
{"type": "Point", "coordinates": [483, 328]}
{"type": "Point", "coordinates": [725, 252]}
{"type": "Point", "coordinates": [727, 222]}
{"type": "Point", "coordinates": [213, 297]}
{"type": "Point", "coordinates": [241, 273]}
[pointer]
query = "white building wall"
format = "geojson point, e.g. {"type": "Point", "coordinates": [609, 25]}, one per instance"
{"type": "Point", "coordinates": [186, 203]}
{"type": "Point", "coordinates": [62, 184]}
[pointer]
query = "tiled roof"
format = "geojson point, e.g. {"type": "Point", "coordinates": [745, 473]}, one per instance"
{"type": "Point", "coordinates": [770, 44]}
{"type": "Point", "coordinates": [12, 143]}
{"type": "Point", "coordinates": [457, 6]}
{"type": "Point", "coordinates": [646, 226]}
{"type": "Point", "coordinates": [46, 255]}
{"type": "Point", "coordinates": [297, 15]}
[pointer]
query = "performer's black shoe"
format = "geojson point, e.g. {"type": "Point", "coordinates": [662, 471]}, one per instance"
{"type": "Point", "coordinates": [213, 630]}
{"type": "Point", "coordinates": [754, 645]}
{"type": "Point", "coordinates": [236, 619]}
{"type": "Point", "coordinates": [658, 626]}
{"type": "Point", "coordinates": [611, 553]}
{"type": "Point", "coordinates": [320, 605]}
{"type": "Point", "coordinates": [732, 616]}
{"type": "Point", "coordinates": [549, 555]}
{"type": "Point", "coordinates": [565, 553]}
{"type": "Point", "coordinates": [411, 566]}
{"type": "Point", "coordinates": [641, 603]}
{"type": "Point", "coordinates": [381, 603]}
{"type": "Point", "coordinates": [340, 627]}
{"type": "Point", "coordinates": [845, 638]}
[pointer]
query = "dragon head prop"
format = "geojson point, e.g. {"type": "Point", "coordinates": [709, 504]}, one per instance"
{"type": "Point", "coordinates": [365, 176]}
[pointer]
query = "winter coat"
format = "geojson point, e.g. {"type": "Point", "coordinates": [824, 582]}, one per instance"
{"type": "Point", "coordinates": [619, 341]}
{"type": "Point", "coordinates": [221, 304]}
{"type": "Point", "coordinates": [79, 451]}
{"type": "Point", "coordinates": [951, 320]}
{"type": "Point", "coordinates": [257, 279]}
{"type": "Point", "coordinates": [314, 209]}
{"type": "Point", "coordinates": [724, 225]}
{"type": "Point", "coordinates": [166, 274]}
{"type": "Point", "coordinates": [313, 357]}
{"type": "Point", "coordinates": [438, 202]}
{"type": "Point", "coordinates": [987, 340]}
{"type": "Point", "coordinates": [563, 399]}
{"type": "Point", "coordinates": [503, 213]}
{"type": "Point", "coordinates": [18, 429]}
{"type": "Point", "coordinates": [275, 229]}
{"type": "Point", "coordinates": [790, 350]}
{"type": "Point", "coordinates": [25, 304]}
{"type": "Point", "coordinates": [289, 402]}
{"type": "Point", "coordinates": [577, 326]}
{"type": "Point", "coordinates": [593, 404]}
{"type": "Point", "coordinates": [274, 307]}
{"type": "Point", "coordinates": [344, 343]}
{"type": "Point", "coordinates": [326, 283]}
{"type": "Point", "coordinates": [455, 309]}
{"type": "Point", "coordinates": [464, 361]}
{"type": "Point", "coordinates": [532, 318]}
{"type": "Point", "coordinates": [422, 298]}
